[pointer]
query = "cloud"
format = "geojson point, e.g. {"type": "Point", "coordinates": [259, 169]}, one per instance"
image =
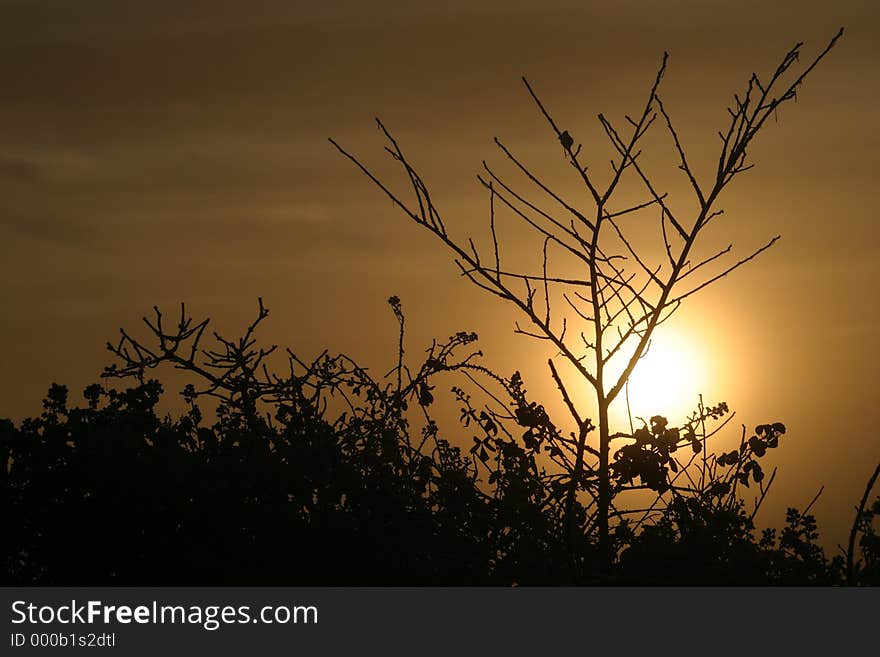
{"type": "Point", "coordinates": [50, 166]}
{"type": "Point", "coordinates": [19, 168]}
{"type": "Point", "coordinates": [44, 225]}
{"type": "Point", "coordinates": [43, 195]}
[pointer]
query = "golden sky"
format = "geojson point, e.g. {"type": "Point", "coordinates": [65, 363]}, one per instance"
{"type": "Point", "coordinates": [167, 151]}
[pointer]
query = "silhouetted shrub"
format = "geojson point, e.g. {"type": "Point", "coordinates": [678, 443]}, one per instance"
{"type": "Point", "coordinates": [317, 477]}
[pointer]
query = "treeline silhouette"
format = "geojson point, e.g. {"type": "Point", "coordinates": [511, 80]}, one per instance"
{"type": "Point", "coordinates": [321, 477]}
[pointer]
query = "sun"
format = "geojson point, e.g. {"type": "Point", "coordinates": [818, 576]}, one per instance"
{"type": "Point", "coordinates": [668, 379]}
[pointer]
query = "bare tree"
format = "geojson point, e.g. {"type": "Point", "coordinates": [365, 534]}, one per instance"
{"type": "Point", "coordinates": [608, 312]}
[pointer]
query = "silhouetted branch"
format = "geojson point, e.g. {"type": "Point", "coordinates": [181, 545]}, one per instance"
{"type": "Point", "coordinates": [626, 296]}
{"type": "Point", "coordinates": [851, 546]}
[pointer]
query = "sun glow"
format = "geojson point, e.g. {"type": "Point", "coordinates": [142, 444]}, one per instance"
{"type": "Point", "coordinates": [667, 380]}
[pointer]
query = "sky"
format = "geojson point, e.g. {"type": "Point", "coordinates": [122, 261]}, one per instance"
{"type": "Point", "coordinates": [153, 153]}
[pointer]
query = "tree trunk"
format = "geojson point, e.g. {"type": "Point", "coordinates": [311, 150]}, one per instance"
{"type": "Point", "coordinates": [604, 486]}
